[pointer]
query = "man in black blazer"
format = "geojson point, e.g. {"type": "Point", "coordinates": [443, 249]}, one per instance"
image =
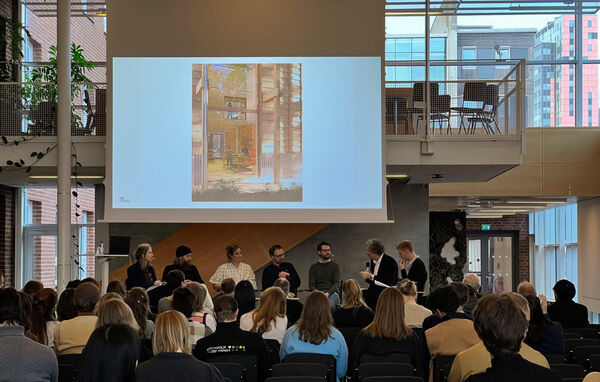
{"type": "Point", "coordinates": [411, 267]}
{"type": "Point", "coordinates": [382, 271]}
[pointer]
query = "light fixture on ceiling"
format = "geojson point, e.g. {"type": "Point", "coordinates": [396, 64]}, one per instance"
{"type": "Point", "coordinates": [396, 176]}
{"type": "Point", "coordinates": [72, 177]}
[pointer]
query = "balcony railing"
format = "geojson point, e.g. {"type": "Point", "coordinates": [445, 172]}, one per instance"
{"type": "Point", "coordinates": [30, 108]}
{"type": "Point", "coordinates": [462, 104]}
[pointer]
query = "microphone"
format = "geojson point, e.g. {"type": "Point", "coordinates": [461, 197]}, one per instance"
{"type": "Point", "coordinates": [368, 264]}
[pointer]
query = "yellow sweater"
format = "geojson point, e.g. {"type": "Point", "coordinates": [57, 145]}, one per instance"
{"type": "Point", "coordinates": [70, 336]}
{"type": "Point", "coordinates": [477, 359]}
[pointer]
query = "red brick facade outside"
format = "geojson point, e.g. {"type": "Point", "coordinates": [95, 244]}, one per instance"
{"type": "Point", "coordinates": [510, 223]}
{"type": "Point", "coordinates": [42, 210]}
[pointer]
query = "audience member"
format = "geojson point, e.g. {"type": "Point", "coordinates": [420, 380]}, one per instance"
{"type": "Point", "coordinates": [477, 359]}
{"type": "Point", "coordinates": [157, 295]}
{"type": "Point", "coordinates": [525, 289]}
{"type": "Point", "coordinates": [411, 266]}
{"type": "Point", "coordinates": [280, 269]}
{"type": "Point", "coordinates": [115, 311]}
{"type": "Point", "coordinates": [172, 360]}
{"type": "Point", "coordinates": [66, 309]}
{"type": "Point", "coordinates": [228, 287]}
{"type": "Point", "coordinates": [116, 286]}
{"type": "Point", "coordinates": [293, 308]}
{"type": "Point", "coordinates": [353, 312]}
{"type": "Point", "coordinates": [269, 318]}
{"type": "Point", "coordinates": [21, 359]}
{"type": "Point", "coordinates": [314, 333]}
{"type": "Point", "coordinates": [462, 291]}
{"type": "Point", "coordinates": [454, 333]}
{"type": "Point", "coordinates": [202, 313]}
{"type": "Point", "coordinates": [388, 333]}
{"type": "Point", "coordinates": [183, 302]}
{"type": "Point", "coordinates": [414, 314]}
{"type": "Point", "coordinates": [382, 271]}
{"type": "Point", "coordinates": [42, 318]}
{"type": "Point", "coordinates": [111, 354]}
{"type": "Point", "coordinates": [70, 336]}
{"type": "Point", "coordinates": [91, 280]}
{"type": "Point", "coordinates": [565, 311]}
{"type": "Point", "coordinates": [434, 299]}
{"type": "Point", "coordinates": [325, 275]}
{"type": "Point", "coordinates": [138, 302]}
{"type": "Point", "coordinates": [27, 307]}
{"type": "Point", "coordinates": [471, 280]}
{"type": "Point", "coordinates": [229, 339]}
{"type": "Point", "coordinates": [543, 335]}
{"type": "Point", "coordinates": [32, 287]}
{"type": "Point", "coordinates": [73, 283]}
{"type": "Point", "coordinates": [141, 273]}
{"type": "Point", "coordinates": [109, 296]}
{"type": "Point", "coordinates": [233, 269]}
{"type": "Point", "coordinates": [592, 377]}
{"type": "Point", "coordinates": [183, 262]}
{"type": "Point", "coordinates": [245, 297]}
{"type": "Point", "coordinates": [501, 325]}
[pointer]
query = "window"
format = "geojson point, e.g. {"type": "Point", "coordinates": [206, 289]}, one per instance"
{"type": "Point", "coordinates": [469, 53]}
{"type": "Point", "coordinates": [589, 47]}
{"type": "Point", "coordinates": [593, 36]}
{"type": "Point", "coordinates": [235, 103]}
{"type": "Point", "coordinates": [589, 23]}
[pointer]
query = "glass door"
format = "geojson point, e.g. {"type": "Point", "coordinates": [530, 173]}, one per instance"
{"type": "Point", "coordinates": [492, 257]}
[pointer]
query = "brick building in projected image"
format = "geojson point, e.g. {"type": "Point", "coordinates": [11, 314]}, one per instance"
{"type": "Point", "coordinates": [554, 85]}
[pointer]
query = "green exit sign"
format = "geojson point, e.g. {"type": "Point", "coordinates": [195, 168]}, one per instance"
{"type": "Point", "coordinates": [486, 227]}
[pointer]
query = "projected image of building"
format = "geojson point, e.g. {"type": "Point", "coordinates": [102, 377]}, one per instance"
{"type": "Point", "coordinates": [247, 132]}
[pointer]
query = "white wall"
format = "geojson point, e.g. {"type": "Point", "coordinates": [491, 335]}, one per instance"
{"type": "Point", "coordinates": [588, 256]}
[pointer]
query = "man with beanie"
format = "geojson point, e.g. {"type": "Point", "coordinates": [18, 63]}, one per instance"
{"type": "Point", "coordinates": [183, 262]}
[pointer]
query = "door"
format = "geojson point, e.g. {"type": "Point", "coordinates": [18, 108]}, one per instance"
{"type": "Point", "coordinates": [492, 257]}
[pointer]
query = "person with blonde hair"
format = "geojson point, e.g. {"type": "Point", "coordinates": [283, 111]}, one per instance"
{"type": "Point", "coordinates": [314, 333]}
{"type": "Point", "coordinates": [414, 314]}
{"type": "Point", "coordinates": [269, 318]}
{"type": "Point", "coordinates": [141, 273]}
{"type": "Point", "coordinates": [172, 360]}
{"type": "Point", "coordinates": [388, 333]}
{"type": "Point", "coordinates": [353, 312]}
{"type": "Point", "coordinates": [115, 311]}
{"type": "Point", "coordinates": [138, 301]}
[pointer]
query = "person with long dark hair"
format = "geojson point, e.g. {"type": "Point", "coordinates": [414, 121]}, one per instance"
{"type": "Point", "coordinates": [66, 309]}
{"type": "Point", "coordinates": [544, 335]}
{"type": "Point", "coordinates": [42, 317]}
{"type": "Point", "coordinates": [111, 354]}
{"type": "Point", "coordinates": [137, 299]}
{"type": "Point", "coordinates": [314, 333]}
{"type": "Point", "coordinates": [388, 333]}
{"type": "Point", "coordinates": [245, 297]}
{"type": "Point", "coordinates": [141, 273]}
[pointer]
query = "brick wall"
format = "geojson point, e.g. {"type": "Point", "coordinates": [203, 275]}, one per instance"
{"type": "Point", "coordinates": [42, 207]}
{"type": "Point", "coordinates": [510, 223]}
{"type": "Point", "coordinates": [7, 233]}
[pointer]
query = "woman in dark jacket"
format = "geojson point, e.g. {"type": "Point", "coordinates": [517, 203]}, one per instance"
{"type": "Point", "coordinates": [543, 335]}
{"type": "Point", "coordinates": [141, 274]}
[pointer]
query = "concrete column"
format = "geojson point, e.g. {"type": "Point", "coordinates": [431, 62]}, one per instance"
{"type": "Point", "coordinates": [65, 243]}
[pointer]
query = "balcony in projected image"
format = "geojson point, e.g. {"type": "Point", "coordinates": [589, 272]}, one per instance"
{"type": "Point", "coordinates": [465, 125]}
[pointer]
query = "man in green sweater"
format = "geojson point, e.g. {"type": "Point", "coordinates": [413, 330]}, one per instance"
{"type": "Point", "coordinates": [325, 275]}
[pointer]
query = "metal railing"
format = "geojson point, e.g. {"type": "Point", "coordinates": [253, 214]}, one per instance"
{"type": "Point", "coordinates": [463, 104]}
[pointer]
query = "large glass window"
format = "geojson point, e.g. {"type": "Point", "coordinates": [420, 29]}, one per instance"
{"type": "Point", "coordinates": [555, 247]}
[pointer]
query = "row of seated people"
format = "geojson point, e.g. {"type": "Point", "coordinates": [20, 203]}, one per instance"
{"type": "Point", "coordinates": [449, 331]}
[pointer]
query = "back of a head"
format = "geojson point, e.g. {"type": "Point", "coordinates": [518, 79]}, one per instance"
{"type": "Point", "coordinates": [351, 294]}
{"type": "Point", "coordinates": [138, 302]}
{"type": "Point", "coordinates": [472, 281]}
{"type": "Point", "coordinates": [520, 302]}
{"type": "Point", "coordinates": [226, 308]}
{"type": "Point", "coordinates": [115, 311]}
{"type": "Point", "coordinates": [11, 309]}
{"type": "Point", "coordinates": [73, 283]}
{"type": "Point", "coordinates": [116, 286]}
{"type": "Point", "coordinates": [66, 309]}
{"type": "Point", "coordinates": [184, 301]}
{"type": "Point", "coordinates": [283, 284]}
{"type": "Point", "coordinates": [44, 303]}
{"type": "Point", "coordinates": [564, 290]}
{"type": "Point", "coordinates": [228, 286]}
{"type": "Point", "coordinates": [86, 296]}
{"type": "Point", "coordinates": [110, 296]}
{"type": "Point", "coordinates": [199, 293]}
{"type": "Point", "coordinates": [32, 287]}
{"type": "Point", "coordinates": [315, 323]}
{"type": "Point", "coordinates": [462, 291]}
{"type": "Point", "coordinates": [535, 310]}
{"type": "Point", "coordinates": [91, 280]}
{"type": "Point", "coordinates": [272, 305]}
{"type": "Point", "coordinates": [500, 324]}
{"type": "Point", "coordinates": [171, 333]}
{"type": "Point", "coordinates": [174, 279]}
{"type": "Point", "coordinates": [408, 288]}
{"type": "Point", "coordinates": [445, 299]}
{"type": "Point", "coordinates": [244, 294]}
{"type": "Point", "coordinates": [526, 289]}
{"type": "Point", "coordinates": [111, 354]}
{"type": "Point", "coordinates": [389, 316]}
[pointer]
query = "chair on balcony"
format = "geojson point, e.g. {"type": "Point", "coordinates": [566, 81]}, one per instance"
{"type": "Point", "coordinates": [418, 101]}
{"type": "Point", "coordinates": [472, 105]}
{"type": "Point", "coordinates": [487, 117]}
{"type": "Point", "coordinates": [396, 112]}
{"type": "Point", "coordinates": [440, 112]}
